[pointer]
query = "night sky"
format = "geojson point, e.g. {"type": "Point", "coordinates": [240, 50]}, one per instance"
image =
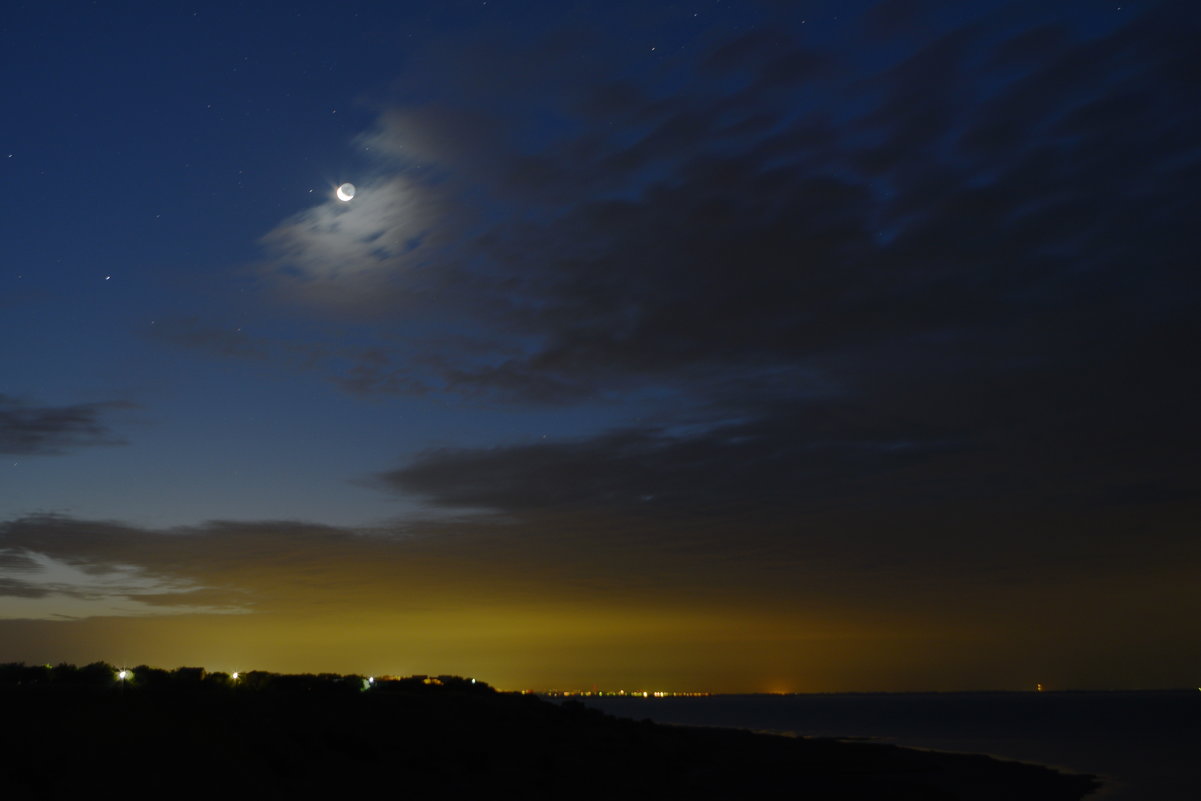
{"type": "Point", "coordinates": [740, 345]}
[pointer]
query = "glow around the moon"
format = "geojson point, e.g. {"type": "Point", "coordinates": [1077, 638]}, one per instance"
{"type": "Point", "coordinates": [345, 192]}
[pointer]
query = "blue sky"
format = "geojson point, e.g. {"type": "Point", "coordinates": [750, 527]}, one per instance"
{"type": "Point", "coordinates": [725, 311]}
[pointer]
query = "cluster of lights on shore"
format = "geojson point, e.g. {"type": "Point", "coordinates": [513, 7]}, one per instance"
{"type": "Point", "coordinates": [124, 675]}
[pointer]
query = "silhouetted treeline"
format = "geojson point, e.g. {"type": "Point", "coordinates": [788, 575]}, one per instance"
{"type": "Point", "coordinates": [73, 732]}
{"type": "Point", "coordinates": [143, 678]}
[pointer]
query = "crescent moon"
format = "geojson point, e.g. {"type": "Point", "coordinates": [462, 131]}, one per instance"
{"type": "Point", "coordinates": [345, 192]}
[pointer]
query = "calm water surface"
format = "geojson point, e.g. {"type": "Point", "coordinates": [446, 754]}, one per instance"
{"type": "Point", "coordinates": [1146, 746]}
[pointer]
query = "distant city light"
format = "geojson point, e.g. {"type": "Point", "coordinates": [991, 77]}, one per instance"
{"type": "Point", "coordinates": [122, 674]}
{"type": "Point", "coordinates": [618, 693]}
{"type": "Point", "coordinates": [235, 676]}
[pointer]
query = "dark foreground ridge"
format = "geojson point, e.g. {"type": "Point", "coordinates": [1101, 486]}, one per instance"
{"type": "Point", "coordinates": [70, 732]}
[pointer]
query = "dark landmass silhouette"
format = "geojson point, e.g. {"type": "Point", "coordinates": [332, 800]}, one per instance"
{"type": "Point", "coordinates": [71, 732]}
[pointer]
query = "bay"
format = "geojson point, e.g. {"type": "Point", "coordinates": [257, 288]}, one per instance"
{"type": "Point", "coordinates": [1143, 745]}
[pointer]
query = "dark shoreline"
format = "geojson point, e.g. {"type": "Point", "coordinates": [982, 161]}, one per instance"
{"type": "Point", "coordinates": [303, 736]}
{"type": "Point", "coordinates": [1138, 741]}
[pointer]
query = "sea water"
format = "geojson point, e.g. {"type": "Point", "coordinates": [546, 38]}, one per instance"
{"type": "Point", "coordinates": [1145, 746]}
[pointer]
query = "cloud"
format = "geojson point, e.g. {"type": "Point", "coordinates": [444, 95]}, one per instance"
{"type": "Point", "coordinates": [954, 268]}
{"type": "Point", "coordinates": [95, 568]}
{"type": "Point", "coordinates": [35, 585]}
{"type": "Point", "coordinates": [15, 561]}
{"type": "Point", "coordinates": [29, 429]}
{"type": "Point", "coordinates": [285, 568]}
{"type": "Point", "coordinates": [797, 207]}
{"type": "Point", "coordinates": [758, 468]}
{"type": "Point", "coordinates": [360, 254]}
{"type": "Point", "coordinates": [581, 592]}
{"type": "Point", "coordinates": [15, 588]}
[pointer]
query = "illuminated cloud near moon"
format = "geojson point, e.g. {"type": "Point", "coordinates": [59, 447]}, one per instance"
{"type": "Point", "coordinates": [340, 252]}
{"type": "Point", "coordinates": [361, 245]}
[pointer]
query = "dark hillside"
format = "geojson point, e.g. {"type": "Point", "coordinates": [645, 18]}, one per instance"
{"type": "Point", "coordinates": [71, 732]}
